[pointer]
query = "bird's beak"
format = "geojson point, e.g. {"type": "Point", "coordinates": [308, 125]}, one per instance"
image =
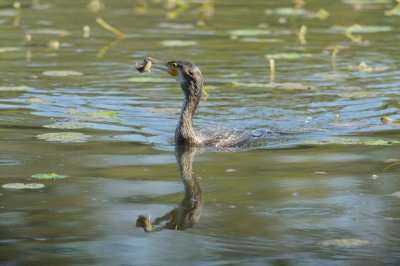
{"type": "Point", "coordinates": [168, 67]}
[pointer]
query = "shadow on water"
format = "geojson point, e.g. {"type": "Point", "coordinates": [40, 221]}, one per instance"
{"type": "Point", "coordinates": [189, 210]}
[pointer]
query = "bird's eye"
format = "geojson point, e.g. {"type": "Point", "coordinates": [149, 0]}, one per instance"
{"type": "Point", "coordinates": [174, 65]}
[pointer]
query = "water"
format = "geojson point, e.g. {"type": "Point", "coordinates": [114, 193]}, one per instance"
{"type": "Point", "coordinates": [287, 201]}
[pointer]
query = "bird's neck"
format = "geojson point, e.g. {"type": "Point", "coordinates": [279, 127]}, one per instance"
{"type": "Point", "coordinates": [185, 133]}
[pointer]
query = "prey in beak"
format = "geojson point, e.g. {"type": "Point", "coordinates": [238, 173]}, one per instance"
{"type": "Point", "coordinates": [149, 63]}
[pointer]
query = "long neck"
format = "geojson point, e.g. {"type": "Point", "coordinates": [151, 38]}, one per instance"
{"type": "Point", "coordinates": [184, 133]}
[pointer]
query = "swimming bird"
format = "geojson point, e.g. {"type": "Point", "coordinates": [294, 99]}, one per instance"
{"type": "Point", "coordinates": [190, 80]}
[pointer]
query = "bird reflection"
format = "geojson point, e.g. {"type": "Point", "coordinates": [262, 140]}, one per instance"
{"type": "Point", "coordinates": [187, 214]}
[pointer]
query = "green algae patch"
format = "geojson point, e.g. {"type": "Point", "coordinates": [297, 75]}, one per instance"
{"type": "Point", "coordinates": [23, 186]}
{"type": "Point", "coordinates": [94, 116]}
{"type": "Point", "coordinates": [110, 115]}
{"type": "Point", "coordinates": [51, 176]}
{"type": "Point", "coordinates": [68, 125]}
{"type": "Point", "coordinates": [64, 137]}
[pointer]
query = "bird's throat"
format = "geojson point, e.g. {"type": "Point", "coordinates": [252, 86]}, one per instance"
{"type": "Point", "coordinates": [184, 133]}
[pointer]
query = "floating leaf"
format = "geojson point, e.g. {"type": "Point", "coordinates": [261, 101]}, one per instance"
{"type": "Point", "coordinates": [13, 88]}
{"type": "Point", "coordinates": [345, 242]}
{"type": "Point", "coordinates": [288, 11]}
{"type": "Point", "coordinates": [287, 56]}
{"type": "Point", "coordinates": [362, 29]}
{"type": "Point", "coordinates": [396, 194]}
{"type": "Point", "coordinates": [64, 137]}
{"type": "Point", "coordinates": [68, 125]}
{"type": "Point", "coordinates": [9, 49]}
{"type": "Point", "coordinates": [49, 176]}
{"type": "Point", "coordinates": [61, 73]}
{"type": "Point", "coordinates": [366, 2]}
{"type": "Point", "coordinates": [249, 32]}
{"type": "Point", "coordinates": [23, 186]}
{"type": "Point", "coordinates": [9, 12]}
{"type": "Point", "coordinates": [178, 43]}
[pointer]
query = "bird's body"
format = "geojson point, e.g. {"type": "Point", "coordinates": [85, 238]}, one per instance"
{"type": "Point", "coordinates": [190, 80]}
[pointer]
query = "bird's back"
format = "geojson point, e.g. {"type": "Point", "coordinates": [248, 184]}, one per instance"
{"type": "Point", "coordinates": [221, 137]}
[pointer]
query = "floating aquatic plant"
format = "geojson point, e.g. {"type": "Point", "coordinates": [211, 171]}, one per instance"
{"type": "Point", "coordinates": [356, 28]}
{"type": "Point", "coordinates": [64, 137]}
{"type": "Point", "coordinates": [113, 115]}
{"type": "Point", "coordinates": [249, 32]}
{"type": "Point", "coordinates": [13, 88]}
{"type": "Point", "coordinates": [344, 242]}
{"type": "Point", "coordinates": [289, 11]}
{"type": "Point", "coordinates": [288, 56]}
{"type": "Point", "coordinates": [48, 176]}
{"type": "Point", "coordinates": [23, 186]}
{"type": "Point", "coordinates": [396, 194]}
{"type": "Point", "coordinates": [178, 43]}
{"type": "Point", "coordinates": [302, 34]}
{"type": "Point", "coordinates": [68, 125]}
{"type": "Point", "coordinates": [366, 2]}
{"type": "Point", "coordinates": [61, 73]}
{"type": "Point", "coordinates": [105, 25]}
{"type": "Point", "coordinates": [393, 11]}
{"type": "Point", "coordinates": [95, 6]}
{"type": "Point", "coordinates": [9, 49]}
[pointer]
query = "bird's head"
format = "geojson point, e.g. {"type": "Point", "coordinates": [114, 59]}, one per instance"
{"type": "Point", "coordinates": [187, 74]}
